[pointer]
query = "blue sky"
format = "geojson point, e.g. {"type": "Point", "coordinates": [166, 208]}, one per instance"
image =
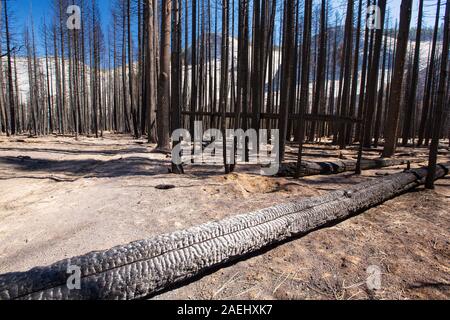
{"type": "Point", "coordinates": [22, 10]}
{"type": "Point", "coordinates": [40, 9]}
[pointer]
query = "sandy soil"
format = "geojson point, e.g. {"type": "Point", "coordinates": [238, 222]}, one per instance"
{"type": "Point", "coordinates": [61, 198]}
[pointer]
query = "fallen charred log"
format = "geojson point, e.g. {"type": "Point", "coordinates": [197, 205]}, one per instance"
{"type": "Point", "coordinates": [147, 267]}
{"type": "Point", "coordinates": [309, 168]}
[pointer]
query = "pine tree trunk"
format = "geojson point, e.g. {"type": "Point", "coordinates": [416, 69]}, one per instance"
{"type": "Point", "coordinates": [12, 113]}
{"type": "Point", "coordinates": [224, 77]}
{"type": "Point", "coordinates": [176, 77]}
{"type": "Point", "coordinates": [398, 74]}
{"type": "Point", "coordinates": [304, 91]}
{"type": "Point", "coordinates": [372, 82]}
{"type": "Point", "coordinates": [347, 65]}
{"type": "Point", "coordinates": [321, 63]}
{"type": "Point", "coordinates": [411, 95]}
{"type": "Point", "coordinates": [441, 105]}
{"type": "Point", "coordinates": [429, 81]}
{"type": "Point", "coordinates": [163, 113]}
{"type": "Point", "coordinates": [288, 71]}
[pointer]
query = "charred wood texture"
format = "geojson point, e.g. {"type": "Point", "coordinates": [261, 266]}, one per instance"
{"type": "Point", "coordinates": [310, 168]}
{"type": "Point", "coordinates": [147, 267]}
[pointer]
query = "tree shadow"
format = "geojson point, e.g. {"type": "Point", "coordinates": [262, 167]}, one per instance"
{"type": "Point", "coordinates": [112, 152]}
{"type": "Point", "coordinates": [86, 168]}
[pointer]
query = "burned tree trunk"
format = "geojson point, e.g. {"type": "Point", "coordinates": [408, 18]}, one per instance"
{"type": "Point", "coordinates": [429, 81]}
{"type": "Point", "coordinates": [287, 70]}
{"type": "Point", "coordinates": [12, 113]}
{"type": "Point", "coordinates": [373, 79]}
{"type": "Point", "coordinates": [194, 81]}
{"type": "Point", "coordinates": [131, 74]}
{"type": "Point", "coordinates": [150, 70]}
{"type": "Point", "coordinates": [146, 267]}
{"type": "Point", "coordinates": [224, 81]}
{"type": "Point", "coordinates": [381, 93]}
{"type": "Point", "coordinates": [439, 116]}
{"type": "Point", "coordinates": [304, 91]}
{"type": "Point", "coordinates": [394, 101]}
{"type": "Point", "coordinates": [321, 63]}
{"type": "Point", "coordinates": [355, 76]}
{"type": "Point", "coordinates": [163, 113]}
{"type": "Point", "coordinates": [347, 65]}
{"type": "Point", "coordinates": [309, 168]}
{"type": "Point", "coordinates": [176, 77]}
{"type": "Point", "coordinates": [411, 95]}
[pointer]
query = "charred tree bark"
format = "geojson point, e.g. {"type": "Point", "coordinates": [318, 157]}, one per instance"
{"type": "Point", "coordinates": [176, 76]}
{"type": "Point", "coordinates": [287, 70]}
{"type": "Point", "coordinates": [440, 114]}
{"type": "Point", "coordinates": [304, 91]}
{"type": "Point", "coordinates": [362, 88]}
{"type": "Point", "coordinates": [134, 115]}
{"type": "Point", "coordinates": [224, 81]}
{"type": "Point", "coordinates": [310, 168]}
{"type": "Point", "coordinates": [150, 70]}
{"type": "Point", "coordinates": [394, 102]}
{"type": "Point", "coordinates": [429, 81]}
{"type": "Point", "coordinates": [163, 113]}
{"type": "Point", "coordinates": [355, 76]}
{"type": "Point", "coordinates": [411, 95]}
{"type": "Point", "coordinates": [347, 65]}
{"type": "Point", "coordinates": [63, 67]}
{"type": "Point", "coordinates": [321, 66]}
{"type": "Point", "coordinates": [193, 104]}
{"type": "Point", "coordinates": [144, 268]}
{"type": "Point", "coordinates": [381, 94]}
{"type": "Point", "coordinates": [373, 79]}
{"type": "Point", "coordinates": [12, 113]}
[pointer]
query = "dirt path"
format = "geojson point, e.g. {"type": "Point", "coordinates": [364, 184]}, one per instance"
{"type": "Point", "coordinates": [62, 198]}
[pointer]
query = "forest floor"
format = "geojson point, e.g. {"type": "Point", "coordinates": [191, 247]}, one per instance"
{"type": "Point", "coordinates": [62, 198]}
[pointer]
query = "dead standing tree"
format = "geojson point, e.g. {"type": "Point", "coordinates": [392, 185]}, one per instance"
{"type": "Point", "coordinates": [163, 112]}
{"type": "Point", "coordinates": [12, 113]}
{"type": "Point", "coordinates": [176, 78]}
{"type": "Point", "coordinates": [411, 95]}
{"type": "Point", "coordinates": [440, 115]}
{"type": "Point", "coordinates": [347, 66]}
{"type": "Point", "coordinates": [426, 106]}
{"type": "Point", "coordinates": [304, 82]}
{"type": "Point", "coordinates": [224, 78]}
{"type": "Point", "coordinates": [372, 84]}
{"type": "Point", "coordinates": [150, 69]}
{"type": "Point", "coordinates": [398, 74]}
{"type": "Point", "coordinates": [287, 72]}
{"type": "Point", "coordinates": [321, 66]}
{"type": "Point", "coordinates": [131, 89]}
